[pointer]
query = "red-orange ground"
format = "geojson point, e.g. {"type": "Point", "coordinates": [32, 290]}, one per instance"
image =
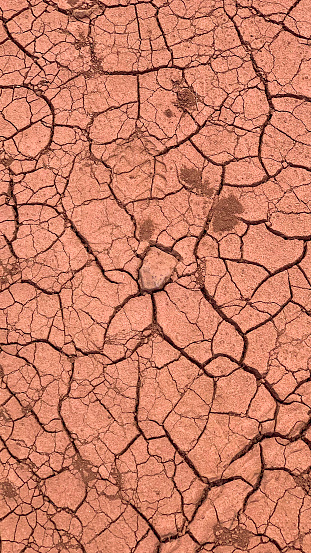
{"type": "Point", "coordinates": [155, 271]}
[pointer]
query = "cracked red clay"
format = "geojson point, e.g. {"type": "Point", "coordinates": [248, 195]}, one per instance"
{"type": "Point", "coordinates": [155, 281]}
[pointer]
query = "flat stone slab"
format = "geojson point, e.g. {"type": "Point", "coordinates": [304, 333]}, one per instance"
{"type": "Point", "coordinates": [156, 270]}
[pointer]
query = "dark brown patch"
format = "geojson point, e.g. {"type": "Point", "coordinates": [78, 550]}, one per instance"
{"type": "Point", "coordinates": [73, 2]}
{"type": "Point", "coordinates": [15, 268]}
{"type": "Point", "coordinates": [85, 469]}
{"type": "Point", "coordinates": [79, 43]}
{"type": "Point", "coordinates": [238, 537]}
{"type": "Point", "coordinates": [8, 490]}
{"type": "Point", "coordinates": [224, 215]}
{"type": "Point", "coordinates": [168, 113]}
{"type": "Point", "coordinates": [7, 161]}
{"type": "Point", "coordinates": [303, 480]}
{"type": "Point", "coordinates": [207, 190]}
{"type": "Point", "coordinates": [146, 229]}
{"type": "Point", "coordinates": [200, 276]}
{"type": "Point", "coordinates": [1, 371]}
{"type": "Point", "coordinates": [26, 408]}
{"type": "Point", "coordinates": [192, 178]}
{"type": "Point", "coordinates": [9, 270]}
{"type": "Point", "coordinates": [186, 99]}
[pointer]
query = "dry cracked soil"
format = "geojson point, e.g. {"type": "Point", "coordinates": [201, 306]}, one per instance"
{"type": "Point", "coordinates": [155, 276]}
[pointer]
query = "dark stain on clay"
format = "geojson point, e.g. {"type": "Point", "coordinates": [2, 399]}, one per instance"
{"type": "Point", "coordinates": [237, 537]}
{"type": "Point", "coordinates": [168, 113]}
{"type": "Point", "coordinates": [146, 229]}
{"type": "Point", "coordinates": [192, 179]}
{"type": "Point", "coordinates": [117, 477]}
{"type": "Point", "coordinates": [8, 490]}
{"type": "Point", "coordinates": [26, 408]}
{"type": "Point", "coordinates": [191, 176]}
{"type": "Point", "coordinates": [303, 480]}
{"type": "Point", "coordinates": [7, 161]}
{"type": "Point", "coordinates": [224, 214]}
{"type": "Point", "coordinates": [186, 99]}
{"type": "Point", "coordinates": [200, 276]}
{"type": "Point", "coordinates": [85, 469]}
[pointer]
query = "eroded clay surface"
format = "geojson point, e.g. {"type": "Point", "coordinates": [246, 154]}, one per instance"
{"type": "Point", "coordinates": [155, 276]}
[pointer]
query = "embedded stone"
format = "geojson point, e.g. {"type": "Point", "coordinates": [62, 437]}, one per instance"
{"type": "Point", "coordinates": [156, 270]}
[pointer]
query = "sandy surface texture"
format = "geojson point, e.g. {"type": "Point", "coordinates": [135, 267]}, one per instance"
{"type": "Point", "coordinates": [155, 276]}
